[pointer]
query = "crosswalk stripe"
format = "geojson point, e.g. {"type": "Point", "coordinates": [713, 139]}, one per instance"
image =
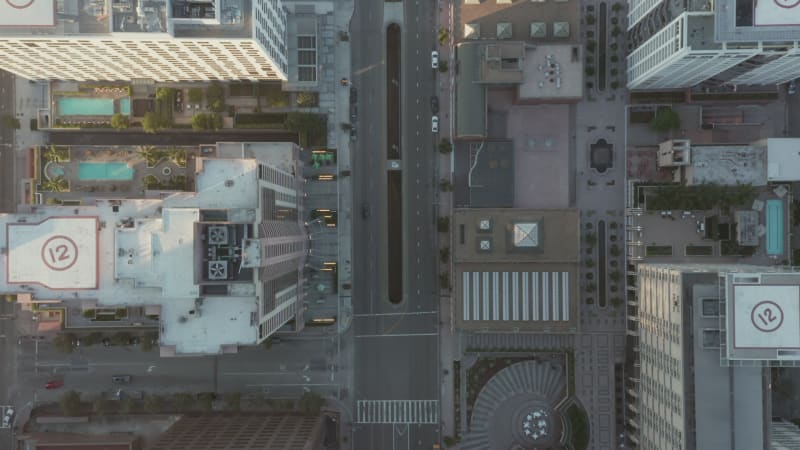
{"type": "Point", "coordinates": [397, 411]}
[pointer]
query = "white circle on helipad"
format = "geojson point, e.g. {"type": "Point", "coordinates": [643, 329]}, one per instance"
{"type": "Point", "coordinates": [767, 316]}
{"type": "Point", "coordinates": [59, 252]}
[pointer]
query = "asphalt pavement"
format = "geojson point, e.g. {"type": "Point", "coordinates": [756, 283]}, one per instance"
{"type": "Point", "coordinates": [395, 345]}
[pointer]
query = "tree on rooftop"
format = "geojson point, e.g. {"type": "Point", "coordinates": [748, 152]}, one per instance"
{"type": "Point", "coordinates": [666, 119]}
{"type": "Point", "coordinates": [120, 121]}
{"type": "Point", "coordinates": [150, 122]}
{"type": "Point", "coordinates": [195, 95]}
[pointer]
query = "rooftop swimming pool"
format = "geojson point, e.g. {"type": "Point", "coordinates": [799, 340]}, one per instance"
{"type": "Point", "coordinates": [125, 106]}
{"type": "Point", "coordinates": [86, 106]}
{"type": "Point", "coordinates": [774, 227]}
{"type": "Point", "coordinates": [103, 171]}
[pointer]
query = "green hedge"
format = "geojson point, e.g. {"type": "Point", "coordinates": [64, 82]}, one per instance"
{"type": "Point", "coordinates": [260, 118]}
{"type": "Point", "coordinates": [580, 427]}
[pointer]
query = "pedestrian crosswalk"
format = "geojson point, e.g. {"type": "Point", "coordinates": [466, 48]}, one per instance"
{"type": "Point", "coordinates": [397, 411]}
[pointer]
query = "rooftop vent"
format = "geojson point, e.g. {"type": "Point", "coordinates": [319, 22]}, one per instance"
{"type": "Point", "coordinates": [217, 235]}
{"type": "Point", "coordinates": [485, 245]}
{"type": "Point", "coordinates": [217, 270]}
{"type": "Point", "coordinates": [485, 225]}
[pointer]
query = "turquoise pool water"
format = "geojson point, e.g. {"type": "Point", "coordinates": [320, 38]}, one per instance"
{"type": "Point", "coordinates": [125, 106]}
{"type": "Point", "coordinates": [104, 171]}
{"type": "Point", "coordinates": [774, 227]}
{"type": "Point", "coordinates": [81, 106]}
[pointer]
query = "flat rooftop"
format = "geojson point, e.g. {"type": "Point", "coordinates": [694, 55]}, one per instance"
{"type": "Point", "coordinates": [516, 269]}
{"type": "Point", "coordinates": [763, 316]}
{"type": "Point", "coordinates": [56, 253]}
{"type": "Point", "coordinates": [552, 72]}
{"type": "Point", "coordinates": [25, 13]}
{"type": "Point", "coordinates": [179, 18]}
{"type": "Point", "coordinates": [729, 164]}
{"type": "Point", "coordinates": [521, 20]}
{"type": "Point", "coordinates": [140, 252]}
{"type": "Point", "coordinates": [754, 21]}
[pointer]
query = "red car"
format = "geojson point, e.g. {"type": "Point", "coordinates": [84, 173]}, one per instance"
{"type": "Point", "coordinates": [54, 384]}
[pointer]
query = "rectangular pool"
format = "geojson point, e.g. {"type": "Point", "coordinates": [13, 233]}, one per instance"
{"type": "Point", "coordinates": [125, 106]}
{"type": "Point", "coordinates": [774, 227]}
{"type": "Point", "coordinates": [104, 171]}
{"type": "Point", "coordinates": [82, 106]}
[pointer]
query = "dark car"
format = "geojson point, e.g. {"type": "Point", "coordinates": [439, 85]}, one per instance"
{"type": "Point", "coordinates": [365, 210]}
{"type": "Point", "coordinates": [435, 104]}
{"type": "Point", "coordinates": [121, 379]}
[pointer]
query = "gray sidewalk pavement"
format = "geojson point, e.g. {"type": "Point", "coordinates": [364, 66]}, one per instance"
{"type": "Point", "coordinates": [449, 350]}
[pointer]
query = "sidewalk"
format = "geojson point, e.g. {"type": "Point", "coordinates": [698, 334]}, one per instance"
{"type": "Point", "coordinates": [334, 99]}
{"type": "Point", "coordinates": [449, 350]}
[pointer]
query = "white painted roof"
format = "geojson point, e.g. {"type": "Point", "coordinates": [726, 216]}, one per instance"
{"type": "Point", "coordinates": [157, 237]}
{"type": "Point", "coordinates": [766, 316]}
{"type": "Point", "coordinates": [27, 13]}
{"type": "Point", "coordinates": [216, 322]}
{"type": "Point", "coordinates": [57, 252]}
{"type": "Point", "coordinates": [776, 13]}
{"type": "Point", "coordinates": [783, 159]}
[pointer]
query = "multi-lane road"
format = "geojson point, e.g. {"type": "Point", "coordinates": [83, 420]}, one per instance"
{"type": "Point", "coordinates": [395, 345]}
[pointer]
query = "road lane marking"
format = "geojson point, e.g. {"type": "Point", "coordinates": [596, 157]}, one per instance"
{"type": "Point", "coordinates": [413, 313]}
{"type": "Point", "coordinates": [395, 335]}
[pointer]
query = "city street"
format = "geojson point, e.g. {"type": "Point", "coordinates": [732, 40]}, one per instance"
{"type": "Point", "coordinates": [279, 372]}
{"type": "Point", "coordinates": [396, 345]}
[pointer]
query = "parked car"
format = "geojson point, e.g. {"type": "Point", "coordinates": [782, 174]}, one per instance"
{"type": "Point", "coordinates": [121, 379]}
{"type": "Point", "coordinates": [365, 210]}
{"type": "Point", "coordinates": [8, 417]}
{"type": "Point", "coordinates": [435, 104]}
{"type": "Point", "coordinates": [54, 384]}
{"type": "Point", "coordinates": [435, 124]}
{"type": "Point", "coordinates": [434, 59]}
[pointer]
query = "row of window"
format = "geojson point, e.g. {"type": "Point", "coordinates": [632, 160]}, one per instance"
{"type": "Point", "coordinates": [275, 176]}
{"type": "Point", "coordinates": [162, 61]}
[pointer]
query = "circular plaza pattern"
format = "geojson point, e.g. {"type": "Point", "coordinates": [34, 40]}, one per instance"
{"type": "Point", "coordinates": [516, 408]}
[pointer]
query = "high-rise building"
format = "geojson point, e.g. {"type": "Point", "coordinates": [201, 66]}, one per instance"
{"type": "Point", "coordinates": [218, 266]}
{"type": "Point", "coordinates": [682, 44]}
{"type": "Point", "coordinates": [700, 339]}
{"type": "Point", "coordinates": [159, 40]}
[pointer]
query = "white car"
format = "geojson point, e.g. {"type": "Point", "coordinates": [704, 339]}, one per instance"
{"type": "Point", "coordinates": [434, 59]}
{"type": "Point", "coordinates": [8, 417]}
{"type": "Point", "coordinates": [435, 124]}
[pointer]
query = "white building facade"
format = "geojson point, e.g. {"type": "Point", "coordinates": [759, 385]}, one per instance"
{"type": "Point", "coordinates": [699, 339]}
{"type": "Point", "coordinates": [161, 40]}
{"type": "Point", "coordinates": [698, 45]}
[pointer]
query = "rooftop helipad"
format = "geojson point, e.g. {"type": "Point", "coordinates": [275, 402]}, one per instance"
{"type": "Point", "coordinates": [58, 253]}
{"type": "Point", "coordinates": [27, 13]}
{"type": "Point", "coordinates": [766, 316]}
{"type": "Point", "coordinates": [776, 12]}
